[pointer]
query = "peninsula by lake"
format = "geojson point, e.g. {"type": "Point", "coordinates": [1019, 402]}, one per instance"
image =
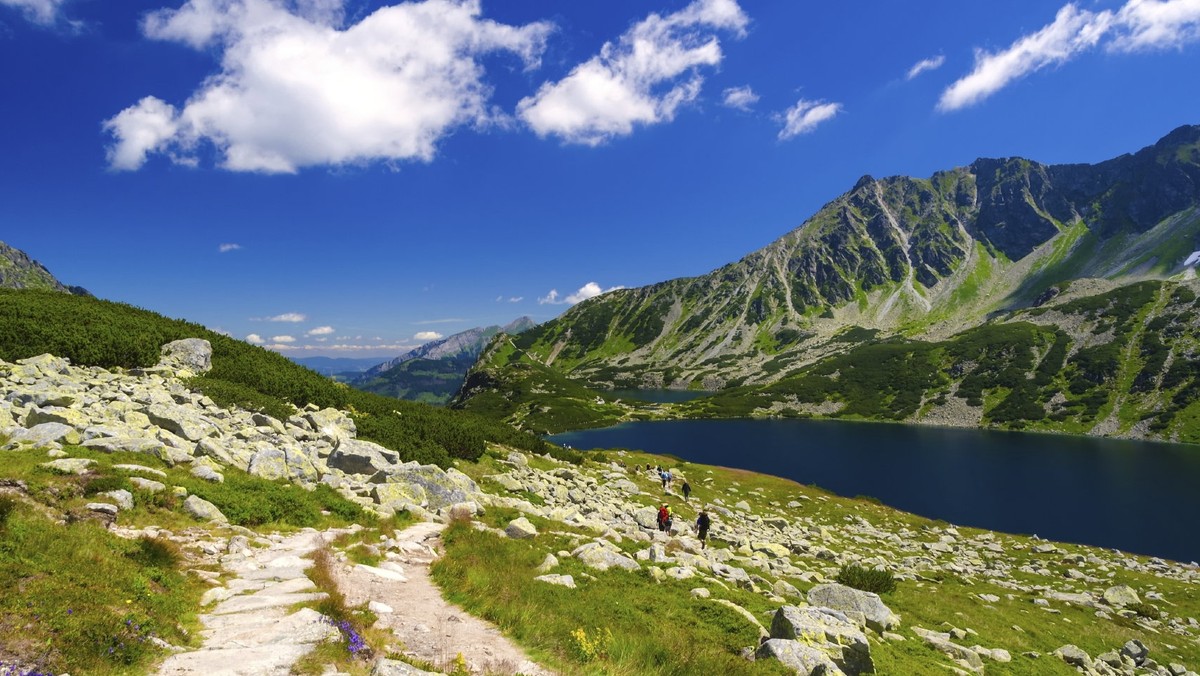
{"type": "Point", "coordinates": [1135, 496]}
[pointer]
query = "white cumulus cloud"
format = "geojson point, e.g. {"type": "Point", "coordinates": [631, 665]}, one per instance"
{"type": "Point", "coordinates": [255, 339]}
{"type": "Point", "coordinates": [589, 290]}
{"type": "Point", "coordinates": [296, 88]}
{"type": "Point", "coordinates": [742, 98]}
{"type": "Point", "coordinates": [804, 117]}
{"type": "Point", "coordinates": [283, 339]}
{"type": "Point", "coordinates": [43, 12]}
{"type": "Point", "coordinates": [1156, 24]}
{"type": "Point", "coordinates": [642, 78]}
{"type": "Point", "coordinates": [427, 335]}
{"type": "Point", "coordinates": [932, 63]}
{"type": "Point", "coordinates": [293, 317]}
{"type": "Point", "coordinates": [1139, 25]}
{"type": "Point", "coordinates": [226, 248]}
{"type": "Point", "coordinates": [320, 331]}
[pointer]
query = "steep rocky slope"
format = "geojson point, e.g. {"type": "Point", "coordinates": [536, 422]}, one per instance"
{"type": "Point", "coordinates": [19, 271]}
{"type": "Point", "coordinates": [907, 256]}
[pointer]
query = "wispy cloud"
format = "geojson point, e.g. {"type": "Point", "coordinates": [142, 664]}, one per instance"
{"type": "Point", "coordinates": [510, 299]}
{"type": "Point", "coordinates": [742, 98]}
{"type": "Point", "coordinates": [642, 78]}
{"type": "Point", "coordinates": [932, 63]}
{"type": "Point", "coordinates": [320, 331]}
{"type": "Point", "coordinates": [1139, 25]}
{"type": "Point", "coordinates": [804, 117]}
{"type": "Point", "coordinates": [226, 248]}
{"type": "Point", "coordinates": [298, 88]}
{"type": "Point", "coordinates": [283, 339]}
{"type": "Point", "coordinates": [425, 336]}
{"type": "Point", "coordinates": [293, 317]}
{"type": "Point", "coordinates": [44, 12]}
{"type": "Point", "coordinates": [589, 290]}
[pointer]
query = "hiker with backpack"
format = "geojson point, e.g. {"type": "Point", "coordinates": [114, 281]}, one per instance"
{"type": "Point", "coordinates": [664, 518]}
{"type": "Point", "coordinates": [703, 522]}
{"type": "Point", "coordinates": [687, 490]}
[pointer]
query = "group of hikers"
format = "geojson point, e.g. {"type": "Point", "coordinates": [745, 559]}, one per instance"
{"type": "Point", "coordinates": [665, 519]}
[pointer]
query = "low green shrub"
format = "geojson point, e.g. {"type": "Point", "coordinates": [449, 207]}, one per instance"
{"type": "Point", "coordinates": [867, 579]}
{"type": "Point", "coordinates": [104, 484]}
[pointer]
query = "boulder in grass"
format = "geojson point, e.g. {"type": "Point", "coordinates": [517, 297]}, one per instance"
{"type": "Point", "coordinates": [805, 659]}
{"type": "Point", "coordinates": [520, 529]}
{"type": "Point", "coordinates": [855, 603]}
{"type": "Point", "coordinates": [193, 355]}
{"type": "Point", "coordinates": [203, 510]}
{"type": "Point", "coordinates": [1120, 596]}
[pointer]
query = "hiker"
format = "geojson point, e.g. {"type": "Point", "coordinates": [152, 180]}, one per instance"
{"type": "Point", "coordinates": [664, 477]}
{"type": "Point", "coordinates": [664, 517]}
{"type": "Point", "coordinates": [687, 490]}
{"type": "Point", "coordinates": [702, 525]}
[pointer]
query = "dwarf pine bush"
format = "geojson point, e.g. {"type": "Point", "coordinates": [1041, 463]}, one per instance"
{"type": "Point", "coordinates": [867, 579]}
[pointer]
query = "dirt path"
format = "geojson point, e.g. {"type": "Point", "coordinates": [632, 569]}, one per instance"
{"type": "Point", "coordinates": [430, 628]}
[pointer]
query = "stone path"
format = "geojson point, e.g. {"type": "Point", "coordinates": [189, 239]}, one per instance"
{"type": "Point", "coordinates": [430, 628]}
{"type": "Point", "coordinates": [251, 631]}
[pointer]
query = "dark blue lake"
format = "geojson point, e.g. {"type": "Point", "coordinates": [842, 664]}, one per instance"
{"type": "Point", "coordinates": [1134, 496]}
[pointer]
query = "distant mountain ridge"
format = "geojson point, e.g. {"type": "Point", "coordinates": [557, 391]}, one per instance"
{"type": "Point", "coordinates": [433, 372]}
{"type": "Point", "coordinates": [19, 271]}
{"type": "Point", "coordinates": [465, 343]}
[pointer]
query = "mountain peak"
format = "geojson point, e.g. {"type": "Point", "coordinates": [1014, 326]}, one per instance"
{"type": "Point", "coordinates": [19, 271]}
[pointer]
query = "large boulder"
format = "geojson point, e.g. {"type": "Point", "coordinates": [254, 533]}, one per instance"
{"type": "Point", "coordinates": [44, 434]}
{"type": "Point", "coordinates": [837, 635]}
{"type": "Point", "coordinates": [353, 456]}
{"type": "Point", "coordinates": [595, 555]}
{"type": "Point", "coordinates": [1120, 596]}
{"type": "Point", "coordinates": [855, 603]}
{"type": "Point", "coordinates": [442, 487]}
{"type": "Point", "coordinates": [332, 424]}
{"type": "Point", "coordinates": [193, 355]}
{"type": "Point", "coordinates": [203, 510]}
{"type": "Point", "coordinates": [805, 659]}
{"type": "Point", "coordinates": [398, 496]}
{"type": "Point", "coordinates": [184, 421]}
{"type": "Point", "coordinates": [520, 528]}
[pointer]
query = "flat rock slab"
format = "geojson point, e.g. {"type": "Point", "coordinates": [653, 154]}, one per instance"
{"type": "Point", "coordinates": [251, 633]}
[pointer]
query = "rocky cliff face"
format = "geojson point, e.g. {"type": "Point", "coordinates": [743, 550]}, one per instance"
{"type": "Point", "coordinates": [914, 257]}
{"type": "Point", "coordinates": [19, 271]}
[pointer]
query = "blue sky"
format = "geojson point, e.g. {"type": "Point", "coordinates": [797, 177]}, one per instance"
{"type": "Point", "coordinates": [351, 178]}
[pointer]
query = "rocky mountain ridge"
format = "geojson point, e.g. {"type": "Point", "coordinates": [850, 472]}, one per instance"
{"type": "Point", "coordinates": [19, 271]}
{"type": "Point", "coordinates": [906, 256]}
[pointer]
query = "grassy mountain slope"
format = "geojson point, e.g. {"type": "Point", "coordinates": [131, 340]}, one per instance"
{"type": "Point", "coordinates": [912, 257]}
{"type": "Point", "coordinates": [94, 332]}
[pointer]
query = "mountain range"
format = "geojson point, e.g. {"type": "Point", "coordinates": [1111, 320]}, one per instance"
{"type": "Point", "coordinates": [433, 372]}
{"type": "Point", "coordinates": [954, 261]}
